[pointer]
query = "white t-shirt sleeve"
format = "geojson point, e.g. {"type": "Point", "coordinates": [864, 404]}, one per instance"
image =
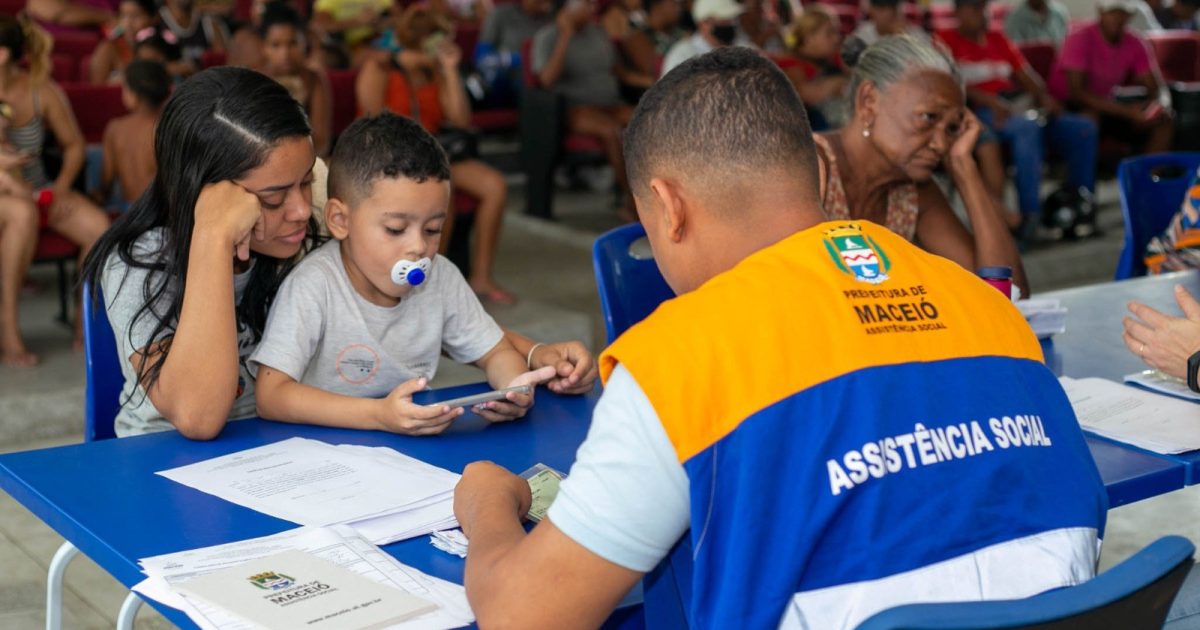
{"type": "Point", "coordinates": [468, 332]}
{"type": "Point", "coordinates": [294, 327]}
{"type": "Point", "coordinates": [626, 497]}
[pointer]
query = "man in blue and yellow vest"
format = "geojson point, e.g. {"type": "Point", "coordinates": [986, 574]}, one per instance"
{"type": "Point", "coordinates": [837, 421]}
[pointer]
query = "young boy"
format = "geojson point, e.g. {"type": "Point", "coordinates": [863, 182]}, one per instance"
{"type": "Point", "coordinates": [129, 140]}
{"type": "Point", "coordinates": [351, 336]}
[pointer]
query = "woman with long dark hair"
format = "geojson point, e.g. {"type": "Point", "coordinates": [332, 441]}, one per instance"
{"type": "Point", "coordinates": [189, 273]}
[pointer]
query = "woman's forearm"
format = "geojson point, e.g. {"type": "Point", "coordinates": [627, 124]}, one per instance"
{"type": "Point", "coordinates": [552, 71]}
{"type": "Point", "coordinates": [198, 382]}
{"type": "Point", "coordinates": [72, 163]}
{"type": "Point", "coordinates": [994, 246]}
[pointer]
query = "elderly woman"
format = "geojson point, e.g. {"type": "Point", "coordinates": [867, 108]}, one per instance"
{"type": "Point", "coordinates": [908, 117]}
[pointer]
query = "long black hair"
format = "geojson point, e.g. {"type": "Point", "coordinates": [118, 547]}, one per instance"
{"type": "Point", "coordinates": [219, 125]}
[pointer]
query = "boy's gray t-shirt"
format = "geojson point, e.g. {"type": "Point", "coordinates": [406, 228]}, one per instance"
{"type": "Point", "coordinates": [124, 295]}
{"type": "Point", "coordinates": [322, 333]}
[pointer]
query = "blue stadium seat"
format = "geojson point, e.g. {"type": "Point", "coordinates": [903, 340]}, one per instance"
{"type": "Point", "coordinates": [630, 285]}
{"type": "Point", "coordinates": [1152, 189]}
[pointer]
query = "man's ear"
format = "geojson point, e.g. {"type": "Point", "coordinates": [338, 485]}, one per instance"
{"type": "Point", "coordinates": [337, 218]}
{"type": "Point", "coordinates": [671, 207]}
{"type": "Point", "coordinates": [822, 173]}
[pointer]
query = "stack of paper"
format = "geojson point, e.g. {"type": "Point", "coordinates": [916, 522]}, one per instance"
{"type": "Point", "coordinates": [1046, 317]}
{"type": "Point", "coordinates": [1157, 423]}
{"type": "Point", "coordinates": [1162, 383]}
{"type": "Point", "coordinates": [452, 542]}
{"type": "Point", "coordinates": [169, 576]}
{"type": "Point", "coordinates": [383, 494]}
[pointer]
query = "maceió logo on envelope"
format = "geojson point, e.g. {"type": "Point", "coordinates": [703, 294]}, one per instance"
{"type": "Point", "coordinates": [271, 581]}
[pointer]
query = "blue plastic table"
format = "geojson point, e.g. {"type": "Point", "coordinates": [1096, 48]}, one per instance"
{"type": "Point", "coordinates": [105, 498]}
{"type": "Point", "coordinates": [1092, 346]}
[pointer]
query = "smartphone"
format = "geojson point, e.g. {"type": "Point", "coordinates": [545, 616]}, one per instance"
{"type": "Point", "coordinates": [469, 401]}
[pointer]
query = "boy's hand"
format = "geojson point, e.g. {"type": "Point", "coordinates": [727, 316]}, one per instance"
{"type": "Point", "coordinates": [402, 415]}
{"type": "Point", "coordinates": [515, 405]}
{"type": "Point", "coordinates": [575, 367]}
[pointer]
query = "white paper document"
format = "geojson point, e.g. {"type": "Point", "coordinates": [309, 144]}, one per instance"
{"type": "Point", "coordinates": [1164, 383]}
{"type": "Point", "coordinates": [1045, 317]}
{"type": "Point", "coordinates": [386, 494]}
{"type": "Point", "coordinates": [340, 545]}
{"type": "Point", "coordinates": [1151, 421]}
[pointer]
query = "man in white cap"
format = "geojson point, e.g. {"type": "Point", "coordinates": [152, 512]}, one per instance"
{"type": "Point", "coordinates": [716, 27]}
{"type": "Point", "coordinates": [1099, 58]}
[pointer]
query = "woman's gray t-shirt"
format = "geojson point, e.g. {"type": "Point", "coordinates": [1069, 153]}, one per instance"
{"type": "Point", "coordinates": [124, 296]}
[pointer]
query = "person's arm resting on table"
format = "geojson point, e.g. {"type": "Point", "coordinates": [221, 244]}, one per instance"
{"type": "Point", "coordinates": [618, 514]}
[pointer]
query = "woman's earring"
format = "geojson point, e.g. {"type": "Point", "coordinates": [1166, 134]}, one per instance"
{"type": "Point", "coordinates": [867, 131]}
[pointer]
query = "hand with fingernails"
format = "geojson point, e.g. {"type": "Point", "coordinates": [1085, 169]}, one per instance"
{"type": "Point", "coordinates": [515, 405]}
{"type": "Point", "coordinates": [1162, 341]}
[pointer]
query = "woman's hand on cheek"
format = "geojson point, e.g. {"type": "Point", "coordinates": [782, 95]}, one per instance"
{"type": "Point", "coordinates": [228, 211]}
{"type": "Point", "coordinates": [968, 135]}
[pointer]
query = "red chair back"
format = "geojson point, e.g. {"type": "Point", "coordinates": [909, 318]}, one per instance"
{"type": "Point", "coordinates": [64, 68]}
{"type": "Point", "coordinates": [343, 99]}
{"type": "Point", "coordinates": [466, 37]}
{"type": "Point", "coordinates": [531, 77]}
{"type": "Point", "coordinates": [77, 45]}
{"type": "Point", "coordinates": [847, 15]}
{"type": "Point", "coordinates": [1040, 56]}
{"type": "Point", "coordinates": [94, 106]}
{"type": "Point", "coordinates": [212, 58]}
{"type": "Point", "coordinates": [1178, 54]}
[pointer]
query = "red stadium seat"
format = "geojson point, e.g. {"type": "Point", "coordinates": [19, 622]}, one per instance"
{"type": "Point", "coordinates": [1178, 54]}
{"type": "Point", "coordinates": [345, 103]}
{"type": "Point", "coordinates": [212, 58]}
{"type": "Point", "coordinates": [466, 36]}
{"type": "Point", "coordinates": [998, 12]}
{"type": "Point", "coordinates": [94, 106]}
{"type": "Point", "coordinates": [64, 68]}
{"type": "Point", "coordinates": [53, 247]}
{"type": "Point", "coordinates": [848, 16]}
{"type": "Point", "coordinates": [85, 69]}
{"type": "Point", "coordinates": [495, 119]}
{"type": "Point", "coordinates": [77, 45]}
{"type": "Point", "coordinates": [1040, 56]}
{"type": "Point", "coordinates": [464, 203]}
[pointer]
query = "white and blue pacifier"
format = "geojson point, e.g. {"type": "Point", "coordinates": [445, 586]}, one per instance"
{"type": "Point", "coordinates": [409, 273]}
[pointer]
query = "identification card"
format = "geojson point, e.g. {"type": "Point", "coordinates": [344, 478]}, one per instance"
{"type": "Point", "coordinates": [543, 485]}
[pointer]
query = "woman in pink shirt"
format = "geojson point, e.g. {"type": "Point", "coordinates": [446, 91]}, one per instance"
{"type": "Point", "coordinates": [1097, 59]}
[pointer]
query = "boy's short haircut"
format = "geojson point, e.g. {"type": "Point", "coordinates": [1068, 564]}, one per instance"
{"type": "Point", "coordinates": [277, 13]}
{"type": "Point", "coordinates": [728, 113]}
{"type": "Point", "coordinates": [149, 81]}
{"type": "Point", "coordinates": [380, 146]}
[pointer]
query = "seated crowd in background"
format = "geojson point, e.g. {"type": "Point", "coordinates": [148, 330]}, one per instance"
{"type": "Point", "coordinates": [601, 57]}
